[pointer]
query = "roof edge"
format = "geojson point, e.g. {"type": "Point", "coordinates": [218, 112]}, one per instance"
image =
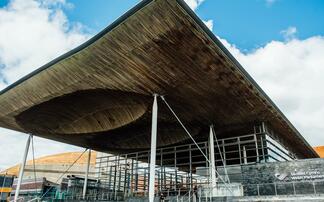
{"type": "Point", "coordinates": [93, 39]}
{"type": "Point", "coordinates": [132, 11]}
{"type": "Point", "coordinates": [210, 34]}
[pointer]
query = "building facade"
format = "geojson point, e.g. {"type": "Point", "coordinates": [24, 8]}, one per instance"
{"type": "Point", "coordinates": [160, 92]}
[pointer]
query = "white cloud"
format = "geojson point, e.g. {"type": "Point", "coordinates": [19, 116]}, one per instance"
{"type": "Point", "coordinates": [13, 145]}
{"type": "Point", "coordinates": [209, 24]}
{"type": "Point", "coordinates": [34, 32]}
{"type": "Point", "coordinates": [289, 33]}
{"type": "Point", "coordinates": [193, 4]}
{"type": "Point", "coordinates": [31, 34]}
{"type": "Point", "coordinates": [291, 73]}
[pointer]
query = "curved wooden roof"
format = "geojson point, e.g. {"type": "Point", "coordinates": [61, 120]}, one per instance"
{"type": "Point", "coordinates": [99, 95]}
{"type": "Point", "coordinates": [57, 159]}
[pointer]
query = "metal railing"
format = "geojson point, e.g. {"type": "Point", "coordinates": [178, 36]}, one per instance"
{"type": "Point", "coordinates": [285, 188]}
{"type": "Point", "coordinates": [179, 195]}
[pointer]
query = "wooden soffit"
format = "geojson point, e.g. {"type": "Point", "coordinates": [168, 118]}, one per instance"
{"type": "Point", "coordinates": [99, 95]}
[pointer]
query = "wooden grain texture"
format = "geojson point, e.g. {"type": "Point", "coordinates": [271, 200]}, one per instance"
{"type": "Point", "coordinates": [57, 159]}
{"type": "Point", "coordinates": [101, 96]}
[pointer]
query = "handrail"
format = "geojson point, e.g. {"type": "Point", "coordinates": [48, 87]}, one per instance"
{"type": "Point", "coordinates": [293, 183]}
{"type": "Point", "coordinates": [17, 199]}
{"type": "Point", "coordinates": [203, 142]}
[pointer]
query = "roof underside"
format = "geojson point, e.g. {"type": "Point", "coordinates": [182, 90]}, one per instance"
{"type": "Point", "coordinates": [100, 94]}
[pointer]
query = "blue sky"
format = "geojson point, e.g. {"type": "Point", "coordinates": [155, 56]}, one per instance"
{"type": "Point", "coordinates": [248, 24]}
{"type": "Point", "coordinates": [253, 23]}
{"type": "Point", "coordinates": [279, 42]}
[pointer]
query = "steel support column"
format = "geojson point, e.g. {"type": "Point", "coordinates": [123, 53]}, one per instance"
{"type": "Point", "coordinates": [85, 184]}
{"type": "Point", "coordinates": [153, 149]}
{"type": "Point", "coordinates": [21, 171]}
{"type": "Point", "coordinates": [212, 168]}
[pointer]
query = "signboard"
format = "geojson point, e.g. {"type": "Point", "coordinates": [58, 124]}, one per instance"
{"type": "Point", "coordinates": [289, 171]}
{"type": "Point", "coordinates": [300, 174]}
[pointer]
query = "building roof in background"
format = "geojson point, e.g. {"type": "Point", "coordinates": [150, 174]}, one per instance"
{"type": "Point", "coordinates": [99, 95]}
{"type": "Point", "coordinates": [57, 159]}
{"type": "Point", "coordinates": [320, 151]}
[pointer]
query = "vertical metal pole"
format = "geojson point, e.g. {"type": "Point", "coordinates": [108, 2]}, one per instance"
{"type": "Point", "coordinates": [190, 191]}
{"type": "Point", "coordinates": [190, 167]}
{"type": "Point", "coordinates": [258, 188]}
{"type": "Point", "coordinates": [136, 173]}
{"type": "Point", "coordinates": [85, 184]}
{"type": "Point", "coordinates": [115, 176]}
{"type": "Point", "coordinates": [162, 173]}
{"type": "Point", "coordinates": [314, 187]}
{"type": "Point", "coordinates": [244, 155]}
{"type": "Point", "coordinates": [275, 186]}
{"type": "Point", "coordinates": [147, 169]}
{"type": "Point", "coordinates": [207, 169]}
{"type": "Point", "coordinates": [263, 127]}
{"type": "Point", "coordinates": [256, 148]}
{"type": "Point", "coordinates": [206, 152]}
{"type": "Point", "coordinates": [144, 183]}
{"type": "Point", "coordinates": [125, 175]}
{"type": "Point", "coordinates": [153, 149]}
{"type": "Point", "coordinates": [131, 188]}
{"type": "Point", "coordinates": [22, 167]}
{"type": "Point", "coordinates": [212, 168]}
{"type": "Point", "coordinates": [175, 169]}
{"type": "Point", "coordinates": [119, 174]}
{"type": "Point", "coordinates": [3, 184]}
{"type": "Point", "coordinates": [158, 181]}
{"type": "Point", "coordinates": [170, 182]}
{"type": "Point", "coordinates": [224, 153]}
{"type": "Point", "coordinates": [109, 178]}
{"type": "Point", "coordinates": [262, 147]}
{"type": "Point", "coordinates": [220, 152]}
{"type": "Point", "coordinates": [239, 148]}
{"type": "Point", "coordinates": [108, 166]}
{"type": "Point", "coordinates": [164, 178]}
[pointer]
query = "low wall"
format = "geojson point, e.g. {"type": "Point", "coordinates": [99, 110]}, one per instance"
{"type": "Point", "coordinates": [282, 178]}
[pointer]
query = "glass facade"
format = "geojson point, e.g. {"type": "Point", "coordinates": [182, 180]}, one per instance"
{"type": "Point", "coordinates": [276, 152]}
{"type": "Point", "coordinates": [183, 166]}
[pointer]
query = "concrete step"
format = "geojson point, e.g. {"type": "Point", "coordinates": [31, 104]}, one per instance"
{"type": "Point", "coordinates": [282, 198]}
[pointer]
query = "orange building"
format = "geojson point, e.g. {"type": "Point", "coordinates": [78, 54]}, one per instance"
{"type": "Point", "coordinates": [320, 151]}
{"type": "Point", "coordinates": [51, 167]}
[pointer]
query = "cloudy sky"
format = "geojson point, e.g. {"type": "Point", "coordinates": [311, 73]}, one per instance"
{"type": "Point", "coordinates": [279, 42]}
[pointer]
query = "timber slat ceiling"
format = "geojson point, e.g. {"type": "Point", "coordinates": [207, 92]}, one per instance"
{"type": "Point", "coordinates": [100, 94]}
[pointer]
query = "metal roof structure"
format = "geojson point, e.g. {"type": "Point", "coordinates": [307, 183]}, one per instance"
{"type": "Point", "coordinates": [99, 95]}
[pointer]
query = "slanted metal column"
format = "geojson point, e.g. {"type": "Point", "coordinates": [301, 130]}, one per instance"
{"type": "Point", "coordinates": [153, 149]}
{"type": "Point", "coordinates": [212, 167]}
{"type": "Point", "coordinates": [85, 184]}
{"type": "Point", "coordinates": [21, 171]}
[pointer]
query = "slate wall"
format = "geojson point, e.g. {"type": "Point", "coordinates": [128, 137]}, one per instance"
{"type": "Point", "coordinates": [282, 178]}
